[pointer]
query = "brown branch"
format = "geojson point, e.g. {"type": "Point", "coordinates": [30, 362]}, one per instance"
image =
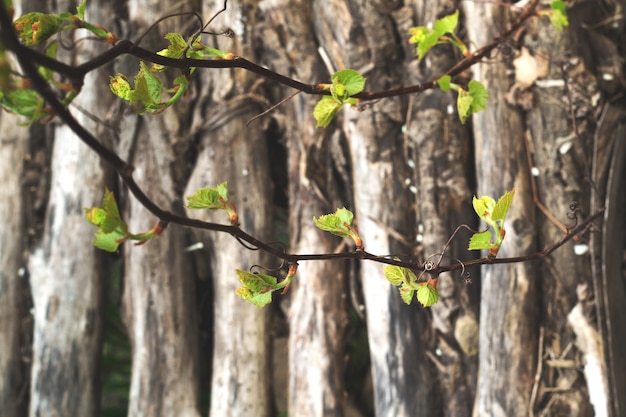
{"type": "Point", "coordinates": [123, 47]}
{"type": "Point", "coordinates": [28, 58]}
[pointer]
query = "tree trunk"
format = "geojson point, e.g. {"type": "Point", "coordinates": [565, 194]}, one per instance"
{"type": "Point", "coordinates": [159, 287]}
{"type": "Point", "coordinates": [232, 152]}
{"type": "Point", "coordinates": [509, 308]}
{"type": "Point", "coordinates": [317, 305]}
{"type": "Point", "coordinates": [361, 35]}
{"type": "Point", "coordinates": [12, 153]}
{"type": "Point", "coordinates": [512, 343]}
{"type": "Point", "coordinates": [65, 269]}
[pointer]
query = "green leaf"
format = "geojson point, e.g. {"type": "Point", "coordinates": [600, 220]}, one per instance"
{"type": "Point", "coordinates": [407, 293]}
{"type": "Point", "coordinates": [148, 89]}
{"type": "Point", "coordinates": [257, 288]}
{"type": "Point", "coordinates": [325, 110]}
{"type": "Point", "coordinates": [80, 10]}
{"type": "Point", "coordinates": [484, 206]}
{"type": "Point", "coordinates": [464, 106]}
{"type": "Point", "coordinates": [51, 52]}
{"type": "Point", "coordinates": [337, 224]}
{"type": "Point", "coordinates": [558, 17]}
{"type": "Point", "coordinates": [480, 241]}
{"type": "Point", "coordinates": [444, 83]}
{"type": "Point", "coordinates": [120, 86]}
{"type": "Point", "coordinates": [427, 295]}
{"type": "Point", "coordinates": [209, 198]}
{"type": "Point", "coordinates": [398, 275]}
{"type": "Point", "coordinates": [35, 27]}
{"type": "Point", "coordinates": [446, 24]}
{"type": "Point", "coordinates": [112, 230]}
{"type": "Point", "coordinates": [471, 101]}
{"type": "Point", "coordinates": [479, 93]}
{"type": "Point", "coordinates": [351, 80]}
{"type": "Point", "coordinates": [502, 206]}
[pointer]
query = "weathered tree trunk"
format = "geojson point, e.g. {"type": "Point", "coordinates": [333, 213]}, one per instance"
{"type": "Point", "coordinates": [317, 303]}
{"type": "Point", "coordinates": [159, 286]}
{"type": "Point", "coordinates": [438, 147]}
{"type": "Point", "coordinates": [12, 155]}
{"type": "Point", "coordinates": [361, 35]}
{"type": "Point", "coordinates": [230, 151]}
{"type": "Point", "coordinates": [65, 269]}
{"type": "Point", "coordinates": [509, 308]}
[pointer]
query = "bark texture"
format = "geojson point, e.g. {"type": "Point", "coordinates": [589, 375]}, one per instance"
{"type": "Point", "coordinates": [509, 310]}
{"type": "Point", "coordinates": [511, 343]}
{"type": "Point", "coordinates": [230, 151]}
{"type": "Point", "coordinates": [159, 288]}
{"type": "Point", "coordinates": [12, 154]}
{"type": "Point", "coordinates": [317, 304]}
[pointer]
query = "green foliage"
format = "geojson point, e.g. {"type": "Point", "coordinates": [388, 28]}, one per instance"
{"type": "Point", "coordinates": [444, 83]}
{"type": "Point", "coordinates": [146, 94]}
{"type": "Point", "coordinates": [409, 285]}
{"type": "Point", "coordinates": [340, 224]}
{"type": "Point", "coordinates": [345, 83]}
{"type": "Point", "coordinates": [493, 213]}
{"type": "Point", "coordinates": [442, 32]}
{"type": "Point", "coordinates": [213, 199]}
{"type": "Point", "coordinates": [471, 101]}
{"type": "Point", "coordinates": [112, 230]}
{"type": "Point", "coordinates": [257, 288]}
{"type": "Point", "coordinates": [557, 14]}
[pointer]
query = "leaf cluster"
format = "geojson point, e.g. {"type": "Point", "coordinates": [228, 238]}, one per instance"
{"type": "Point", "coordinates": [492, 213]}
{"type": "Point", "coordinates": [345, 83]}
{"type": "Point", "coordinates": [442, 32]}
{"type": "Point", "coordinates": [410, 287]}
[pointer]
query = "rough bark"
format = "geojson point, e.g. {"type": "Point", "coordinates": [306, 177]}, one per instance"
{"type": "Point", "coordinates": [361, 35]}
{"type": "Point", "coordinates": [65, 270]}
{"type": "Point", "coordinates": [438, 147]}
{"type": "Point", "coordinates": [509, 308]}
{"type": "Point", "coordinates": [12, 153]}
{"type": "Point", "coordinates": [159, 287]}
{"type": "Point", "coordinates": [233, 152]}
{"type": "Point", "coordinates": [317, 305]}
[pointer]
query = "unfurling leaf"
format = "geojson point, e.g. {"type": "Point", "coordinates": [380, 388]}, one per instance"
{"type": "Point", "coordinates": [502, 206]}
{"type": "Point", "coordinates": [471, 101]}
{"type": "Point", "coordinates": [480, 241]}
{"type": "Point", "coordinates": [444, 83]}
{"type": "Point", "coordinates": [447, 24]}
{"type": "Point", "coordinates": [352, 81]}
{"type": "Point", "coordinates": [398, 275]}
{"type": "Point", "coordinates": [484, 206]}
{"type": "Point", "coordinates": [325, 110]}
{"type": "Point", "coordinates": [427, 294]}
{"type": "Point", "coordinates": [112, 230]}
{"type": "Point", "coordinates": [257, 288]}
{"type": "Point", "coordinates": [340, 224]}
{"type": "Point", "coordinates": [407, 293]}
{"type": "Point", "coordinates": [209, 198]}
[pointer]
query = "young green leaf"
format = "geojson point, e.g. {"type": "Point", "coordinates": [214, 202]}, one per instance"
{"type": "Point", "coordinates": [484, 206]}
{"type": "Point", "coordinates": [480, 241]}
{"type": "Point", "coordinates": [80, 10]}
{"type": "Point", "coordinates": [351, 80]}
{"type": "Point", "coordinates": [338, 223]}
{"type": "Point", "coordinates": [209, 198]}
{"type": "Point", "coordinates": [471, 101]}
{"type": "Point", "coordinates": [257, 288]}
{"type": "Point", "coordinates": [120, 86]}
{"type": "Point", "coordinates": [447, 24]}
{"type": "Point", "coordinates": [424, 38]}
{"type": "Point", "coordinates": [407, 293]}
{"type": "Point", "coordinates": [35, 27]}
{"type": "Point", "coordinates": [558, 15]}
{"type": "Point", "coordinates": [427, 294]}
{"type": "Point", "coordinates": [398, 275]}
{"type": "Point", "coordinates": [502, 206]}
{"type": "Point", "coordinates": [444, 83]}
{"type": "Point", "coordinates": [325, 110]}
{"type": "Point", "coordinates": [112, 230]}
